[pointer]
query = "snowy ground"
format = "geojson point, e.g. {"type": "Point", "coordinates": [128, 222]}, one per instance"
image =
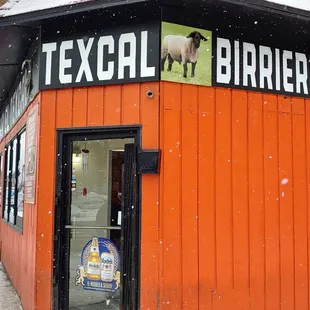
{"type": "Point", "coordinates": [8, 297]}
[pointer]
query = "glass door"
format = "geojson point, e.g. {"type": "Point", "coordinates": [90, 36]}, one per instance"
{"type": "Point", "coordinates": [96, 256]}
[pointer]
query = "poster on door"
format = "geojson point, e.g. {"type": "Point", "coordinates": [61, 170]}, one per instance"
{"type": "Point", "coordinates": [99, 268]}
{"type": "Point", "coordinates": [31, 155]}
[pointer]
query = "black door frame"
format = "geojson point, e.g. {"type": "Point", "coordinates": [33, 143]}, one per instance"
{"type": "Point", "coordinates": [61, 262]}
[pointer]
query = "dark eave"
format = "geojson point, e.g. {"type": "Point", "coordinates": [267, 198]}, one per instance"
{"type": "Point", "coordinates": [14, 45]}
{"type": "Point", "coordinates": [37, 16]}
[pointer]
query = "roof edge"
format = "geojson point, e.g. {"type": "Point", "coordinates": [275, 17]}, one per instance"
{"type": "Point", "coordinates": [69, 9]}
{"type": "Point", "coordinates": [273, 7]}
{"type": "Point", "coordinates": [262, 5]}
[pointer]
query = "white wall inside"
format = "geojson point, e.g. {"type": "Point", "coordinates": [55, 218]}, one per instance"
{"type": "Point", "coordinates": [96, 181]}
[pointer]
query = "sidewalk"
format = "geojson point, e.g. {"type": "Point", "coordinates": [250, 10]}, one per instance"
{"type": "Point", "coordinates": [8, 298]}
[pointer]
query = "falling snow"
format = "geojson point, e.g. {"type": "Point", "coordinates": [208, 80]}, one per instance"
{"type": "Point", "coordinates": [284, 181]}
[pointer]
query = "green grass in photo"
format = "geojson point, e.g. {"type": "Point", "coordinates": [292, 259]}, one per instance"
{"type": "Point", "coordinates": [203, 74]}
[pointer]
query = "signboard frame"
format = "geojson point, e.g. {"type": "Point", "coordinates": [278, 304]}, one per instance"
{"type": "Point", "coordinates": [31, 157]}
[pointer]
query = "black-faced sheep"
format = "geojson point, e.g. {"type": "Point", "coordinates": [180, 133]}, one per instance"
{"type": "Point", "coordinates": [182, 49]}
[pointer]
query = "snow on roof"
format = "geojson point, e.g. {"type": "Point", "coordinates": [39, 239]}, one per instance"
{"type": "Point", "coordinates": [15, 7]}
{"type": "Point", "coordinates": [298, 4]}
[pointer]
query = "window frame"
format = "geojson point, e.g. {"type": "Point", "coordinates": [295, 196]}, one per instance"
{"type": "Point", "coordinates": [17, 224]}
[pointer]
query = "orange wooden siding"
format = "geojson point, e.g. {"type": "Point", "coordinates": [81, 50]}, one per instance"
{"type": "Point", "coordinates": [234, 220]}
{"type": "Point", "coordinates": [224, 226]}
{"type": "Point", "coordinates": [18, 250]}
{"type": "Point", "coordinates": [97, 106]}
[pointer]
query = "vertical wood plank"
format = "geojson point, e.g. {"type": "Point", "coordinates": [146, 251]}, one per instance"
{"type": "Point", "coordinates": [149, 114]}
{"type": "Point", "coordinates": [95, 106]}
{"type": "Point", "coordinates": [150, 188]}
{"type": "Point", "coordinates": [131, 97]}
{"type": "Point", "coordinates": [286, 205]}
{"type": "Point", "coordinates": [46, 181]}
{"type": "Point", "coordinates": [224, 221]}
{"type": "Point", "coordinates": [300, 205]}
{"type": "Point", "coordinates": [64, 106]}
{"type": "Point", "coordinates": [271, 190]}
{"type": "Point", "coordinates": [79, 118]}
{"type": "Point", "coordinates": [256, 202]}
{"type": "Point", "coordinates": [171, 287]}
{"type": "Point", "coordinates": [240, 188]}
{"type": "Point", "coordinates": [189, 101]}
{"type": "Point", "coordinates": [206, 197]}
{"type": "Point", "coordinates": [161, 266]}
{"type": "Point", "coordinates": [112, 105]}
{"type": "Point", "coordinates": [307, 127]}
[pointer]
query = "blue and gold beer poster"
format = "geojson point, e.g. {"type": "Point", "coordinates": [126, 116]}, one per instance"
{"type": "Point", "coordinates": [99, 268]}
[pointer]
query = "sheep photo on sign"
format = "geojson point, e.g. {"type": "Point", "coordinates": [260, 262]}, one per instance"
{"type": "Point", "coordinates": [186, 54]}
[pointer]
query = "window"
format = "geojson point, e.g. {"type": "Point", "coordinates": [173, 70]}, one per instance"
{"type": "Point", "coordinates": [1, 162]}
{"type": "Point", "coordinates": [21, 180]}
{"type": "Point", "coordinates": [6, 181]}
{"type": "Point", "coordinates": [14, 171]}
{"type": "Point", "coordinates": [13, 182]}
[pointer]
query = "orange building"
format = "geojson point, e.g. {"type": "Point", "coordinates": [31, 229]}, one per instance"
{"type": "Point", "coordinates": [156, 156]}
